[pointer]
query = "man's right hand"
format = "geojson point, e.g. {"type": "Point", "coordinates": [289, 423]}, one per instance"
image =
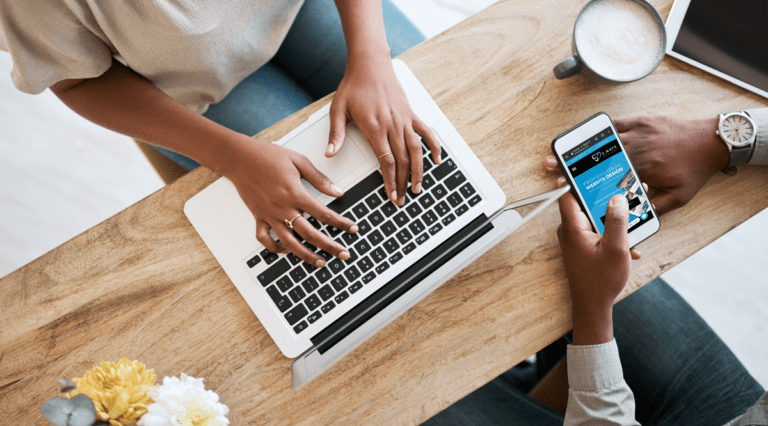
{"type": "Point", "coordinates": [268, 179]}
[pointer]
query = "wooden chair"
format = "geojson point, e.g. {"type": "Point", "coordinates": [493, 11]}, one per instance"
{"type": "Point", "coordinates": [168, 170]}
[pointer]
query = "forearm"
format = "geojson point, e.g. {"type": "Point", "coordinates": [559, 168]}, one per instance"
{"type": "Point", "coordinates": [125, 102]}
{"type": "Point", "coordinates": [363, 24]}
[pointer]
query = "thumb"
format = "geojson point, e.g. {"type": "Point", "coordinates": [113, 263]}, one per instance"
{"type": "Point", "coordinates": [317, 179]}
{"type": "Point", "coordinates": [338, 130]}
{"type": "Point", "coordinates": [616, 223]}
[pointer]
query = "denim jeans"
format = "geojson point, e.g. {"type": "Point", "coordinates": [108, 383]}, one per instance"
{"type": "Point", "coordinates": [680, 372]}
{"type": "Point", "coordinates": [308, 66]}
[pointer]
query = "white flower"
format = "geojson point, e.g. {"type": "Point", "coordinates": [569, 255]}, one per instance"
{"type": "Point", "coordinates": [184, 402]}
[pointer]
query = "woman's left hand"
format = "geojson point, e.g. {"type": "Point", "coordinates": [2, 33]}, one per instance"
{"type": "Point", "coordinates": [371, 97]}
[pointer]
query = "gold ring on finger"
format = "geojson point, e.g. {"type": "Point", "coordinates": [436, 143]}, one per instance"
{"type": "Point", "coordinates": [383, 155]}
{"type": "Point", "coordinates": [289, 223]}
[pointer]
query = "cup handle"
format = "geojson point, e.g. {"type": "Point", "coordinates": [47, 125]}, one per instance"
{"type": "Point", "coordinates": [568, 67]}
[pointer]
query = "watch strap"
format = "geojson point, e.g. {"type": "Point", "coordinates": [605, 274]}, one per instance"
{"type": "Point", "coordinates": [739, 156]}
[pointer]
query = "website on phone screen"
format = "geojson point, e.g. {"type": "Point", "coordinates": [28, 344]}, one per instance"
{"type": "Point", "coordinates": [600, 170]}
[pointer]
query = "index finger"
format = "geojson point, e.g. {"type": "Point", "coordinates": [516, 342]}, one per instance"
{"type": "Point", "coordinates": [426, 133]}
{"type": "Point", "coordinates": [624, 125]}
{"type": "Point", "coordinates": [570, 213]}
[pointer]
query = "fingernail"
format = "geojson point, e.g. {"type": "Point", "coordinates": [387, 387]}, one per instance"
{"type": "Point", "coordinates": [439, 160]}
{"type": "Point", "coordinates": [284, 252]}
{"type": "Point", "coordinates": [337, 190]}
{"type": "Point", "coordinates": [416, 188]}
{"type": "Point", "coordinates": [560, 181]}
{"type": "Point", "coordinates": [344, 255]}
{"type": "Point", "coordinates": [393, 196]}
{"type": "Point", "coordinates": [618, 202]}
{"type": "Point", "coordinates": [329, 150]}
{"type": "Point", "coordinates": [319, 263]}
{"type": "Point", "coordinates": [353, 229]}
{"type": "Point", "coordinates": [550, 162]}
{"type": "Point", "coordinates": [401, 201]}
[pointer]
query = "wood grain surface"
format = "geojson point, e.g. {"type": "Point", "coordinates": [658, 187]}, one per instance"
{"type": "Point", "coordinates": [143, 285]}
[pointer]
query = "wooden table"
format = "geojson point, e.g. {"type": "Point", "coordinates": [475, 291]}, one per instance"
{"type": "Point", "coordinates": [142, 284]}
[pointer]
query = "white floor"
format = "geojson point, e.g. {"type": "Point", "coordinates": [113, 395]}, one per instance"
{"type": "Point", "coordinates": [60, 175]}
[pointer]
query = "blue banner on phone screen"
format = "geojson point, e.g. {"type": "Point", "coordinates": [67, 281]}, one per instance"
{"type": "Point", "coordinates": [600, 170]}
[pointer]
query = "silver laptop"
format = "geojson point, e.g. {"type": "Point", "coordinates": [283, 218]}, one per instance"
{"type": "Point", "coordinates": [398, 256]}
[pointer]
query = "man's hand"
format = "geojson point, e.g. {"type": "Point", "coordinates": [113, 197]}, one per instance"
{"type": "Point", "coordinates": [675, 157]}
{"type": "Point", "coordinates": [597, 267]}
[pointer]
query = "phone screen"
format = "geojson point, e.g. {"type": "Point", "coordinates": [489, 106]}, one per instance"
{"type": "Point", "coordinates": [600, 169]}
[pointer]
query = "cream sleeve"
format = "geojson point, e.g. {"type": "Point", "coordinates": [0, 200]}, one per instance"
{"type": "Point", "coordinates": [48, 43]}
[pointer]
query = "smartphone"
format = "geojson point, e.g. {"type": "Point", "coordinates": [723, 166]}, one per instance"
{"type": "Point", "coordinates": [596, 165]}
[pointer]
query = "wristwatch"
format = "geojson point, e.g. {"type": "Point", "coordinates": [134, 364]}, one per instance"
{"type": "Point", "coordinates": [738, 131]}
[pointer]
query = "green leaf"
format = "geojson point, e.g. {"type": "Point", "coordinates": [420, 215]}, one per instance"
{"type": "Point", "coordinates": [57, 410]}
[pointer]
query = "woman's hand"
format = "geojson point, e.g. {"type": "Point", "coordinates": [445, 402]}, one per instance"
{"type": "Point", "coordinates": [371, 97]}
{"type": "Point", "coordinates": [268, 179]}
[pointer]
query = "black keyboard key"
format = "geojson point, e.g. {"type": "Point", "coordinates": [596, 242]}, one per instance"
{"type": "Point", "coordinates": [474, 200]}
{"type": "Point", "coordinates": [409, 248]}
{"type": "Point", "coordinates": [310, 284]}
{"type": "Point", "coordinates": [383, 193]}
{"type": "Point", "coordinates": [271, 258]}
{"type": "Point", "coordinates": [368, 278]}
{"type": "Point", "coordinates": [354, 195]}
{"type": "Point", "coordinates": [264, 253]}
{"type": "Point", "coordinates": [362, 247]}
{"type": "Point", "coordinates": [462, 209]}
{"type": "Point", "coordinates": [426, 201]}
{"type": "Point", "coordinates": [312, 221]}
{"type": "Point", "coordinates": [389, 208]}
{"type": "Point", "coordinates": [455, 180]}
{"type": "Point", "coordinates": [439, 192]}
{"type": "Point", "coordinates": [312, 302]}
{"type": "Point", "coordinates": [404, 236]}
{"type": "Point", "coordinates": [332, 231]}
{"type": "Point", "coordinates": [350, 216]}
{"type": "Point", "coordinates": [298, 274]}
{"type": "Point", "coordinates": [363, 227]}
{"type": "Point", "coordinates": [297, 294]}
{"type": "Point", "coordinates": [325, 255]}
{"type": "Point", "coordinates": [391, 245]}
{"type": "Point", "coordinates": [416, 227]}
{"type": "Point", "coordinates": [360, 210]}
{"type": "Point", "coordinates": [427, 164]}
{"type": "Point", "coordinates": [444, 169]}
{"type": "Point", "coordinates": [293, 259]}
{"type": "Point", "coordinates": [354, 287]}
{"type": "Point", "coordinates": [284, 284]}
{"type": "Point", "coordinates": [309, 268]}
{"type": "Point", "coordinates": [327, 307]}
{"type": "Point", "coordinates": [378, 255]}
{"type": "Point", "coordinates": [326, 292]}
{"type": "Point", "coordinates": [294, 315]}
{"type": "Point", "coordinates": [314, 317]}
{"type": "Point", "coordinates": [395, 258]}
{"type": "Point", "coordinates": [373, 201]}
{"type": "Point", "coordinates": [352, 273]}
{"type": "Point", "coordinates": [402, 219]}
{"type": "Point", "coordinates": [310, 246]}
{"type": "Point", "coordinates": [382, 267]}
{"type": "Point", "coordinates": [467, 190]}
{"type": "Point", "coordinates": [443, 153]}
{"type": "Point", "coordinates": [276, 296]}
{"type": "Point", "coordinates": [421, 239]}
{"type": "Point", "coordinates": [255, 260]}
{"type": "Point", "coordinates": [365, 264]}
{"type": "Point", "coordinates": [448, 219]}
{"type": "Point", "coordinates": [454, 199]}
{"type": "Point", "coordinates": [352, 257]}
{"type": "Point", "coordinates": [376, 218]}
{"type": "Point", "coordinates": [300, 327]}
{"type": "Point", "coordinates": [339, 283]}
{"type": "Point", "coordinates": [349, 238]}
{"type": "Point", "coordinates": [413, 210]}
{"type": "Point", "coordinates": [429, 217]}
{"type": "Point", "coordinates": [442, 208]}
{"type": "Point", "coordinates": [375, 238]}
{"type": "Point", "coordinates": [388, 228]}
{"type": "Point", "coordinates": [435, 229]}
{"type": "Point", "coordinates": [323, 275]}
{"type": "Point", "coordinates": [341, 297]}
{"type": "Point", "coordinates": [427, 181]}
{"type": "Point", "coordinates": [336, 266]}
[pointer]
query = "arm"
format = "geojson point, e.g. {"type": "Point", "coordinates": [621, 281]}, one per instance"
{"type": "Point", "coordinates": [597, 269]}
{"type": "Point", "coordinates": [266, 176]}
{"type": "Point", "coordinates": [370, 96]}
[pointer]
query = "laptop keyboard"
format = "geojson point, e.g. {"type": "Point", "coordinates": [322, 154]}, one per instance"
{"type": "Point", "coordinates": [387, 234]}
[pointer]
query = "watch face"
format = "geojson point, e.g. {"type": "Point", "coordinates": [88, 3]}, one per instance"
{"type": "Point", "coordinates": [738, 129]}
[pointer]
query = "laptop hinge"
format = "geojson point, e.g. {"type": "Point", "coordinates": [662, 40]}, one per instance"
{"type": "Point", "coordinates": [399, 285]}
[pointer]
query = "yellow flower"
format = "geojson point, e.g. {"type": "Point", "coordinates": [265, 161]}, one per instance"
{"type": "Point", "coordinates": [119, 391]}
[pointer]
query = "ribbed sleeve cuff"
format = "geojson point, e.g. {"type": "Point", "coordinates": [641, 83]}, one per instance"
{"type": "Point", "coordinates": [760, 154]}
{"type": "Point", "coordinates": [594, 367]}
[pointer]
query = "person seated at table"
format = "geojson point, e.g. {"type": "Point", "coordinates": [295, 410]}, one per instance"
{"type": "Point", "coordinates": [200, 78]}
{"type": "Point", "coordinates": [650, 359]}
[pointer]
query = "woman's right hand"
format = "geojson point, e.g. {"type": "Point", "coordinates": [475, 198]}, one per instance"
{"type": "Point", "coordinates": [268, 179]}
